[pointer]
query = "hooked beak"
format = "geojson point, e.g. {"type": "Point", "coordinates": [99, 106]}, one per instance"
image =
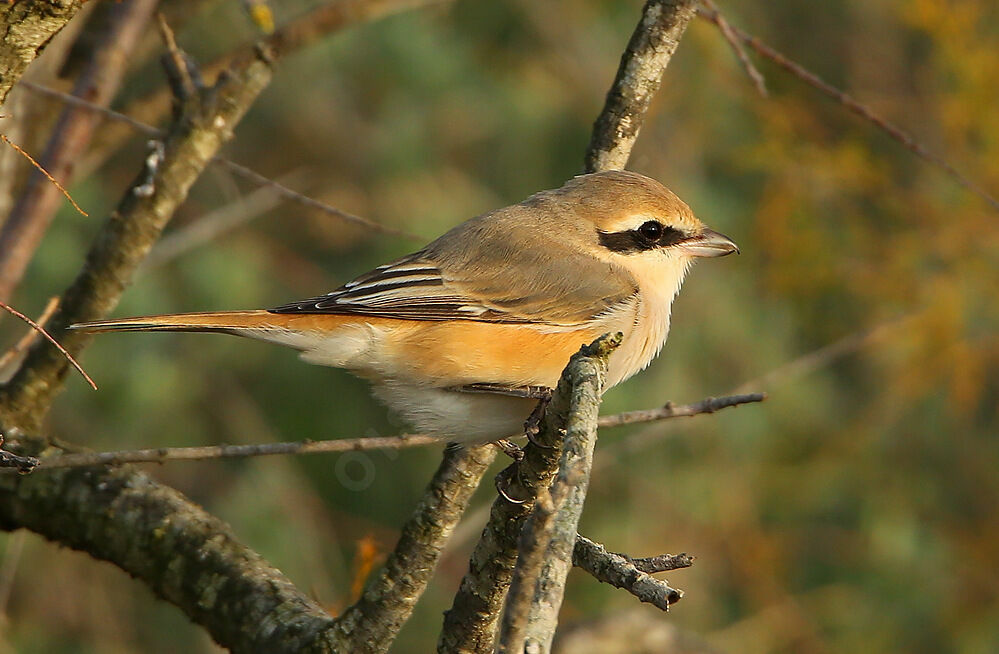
{"type": "Point", "coordinates": [709, 244]}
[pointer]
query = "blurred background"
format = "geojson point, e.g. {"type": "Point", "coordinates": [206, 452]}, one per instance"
{"type": "Point", "coordinates": [854, 511]}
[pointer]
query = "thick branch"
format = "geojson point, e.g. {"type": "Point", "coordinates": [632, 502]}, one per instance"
{"type": "Point", "coordinates": [185, 555]}
{"type": "Point", "coordinates": [26, 27]}
{"type": "Point", "coordinates": [374, 621]}
{"type": "Point", "coordinates": [470, 624]}
{"type": "Point", "coordinates": [638, 77]}
{"type": "Point", "coordinates": [207, 121]}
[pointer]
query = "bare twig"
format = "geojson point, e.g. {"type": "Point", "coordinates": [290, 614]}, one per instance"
{"type": "Point", "coordinates": [619, 572]}
{"type": "Point", "coordinates": [896, 133]}
{"type": "Point", "coordinates": [660, 563]}
{"type": "Point", "coordinates": [29, 337]}
{"type": "Point", "coordinates": [41, 330]}
{"type": "Point", "coordinates": [23, 230]}
{"type": "Point", "coordinates": [733, 41]}
{"type": "Point", "coordinates": [669, 410]}
{"type": "Point", "coordinates": [371, 624]}
{"type": "Point", "coordinates": [228, 164]}
{"type": "Point", "coordinates": [40, 168]}
{"type": "Point", "coordinates": [638, 78]}
{"type": "Point", "coordinates": [185, 86]}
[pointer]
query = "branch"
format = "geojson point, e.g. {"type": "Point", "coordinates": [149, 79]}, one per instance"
{"type": "Point", "coordinates": [183, 554]}
{"type": "Point", "coordinates": [470, 624]}
{"type": "Point", "coordinates": [638, 78]}
{"type": "Point", "coordinates": [207, 121]}
{"type": "Point", "coordinates": [374, 621]}
{"type": "Point", "coordinates": [41, 330]}
{"type": "Point", "coordinates": [201, 453]}
{"type": "Point", "coordinates": [896, 133]}
{"type": "Point", "coordinates": [24, 228]}
{"type": "Point", "coordinates": [620, 572]}
{"type": "Point", "coordinates": [740, 52]}
{"type": "Point", "coordinates": [26, 27]}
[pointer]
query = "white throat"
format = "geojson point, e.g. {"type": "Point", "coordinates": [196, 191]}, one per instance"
{"type": "Point", "coordinates": [658, 282]}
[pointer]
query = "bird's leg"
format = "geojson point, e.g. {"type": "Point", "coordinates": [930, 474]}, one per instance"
{"type": "Point", "coordinates": [532, 426]}
{"type": "Point", "coordinates": [502, 482]}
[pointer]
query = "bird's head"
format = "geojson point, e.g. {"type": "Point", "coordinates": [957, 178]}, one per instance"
{"type": "Point", "coordinates": [640, 225]}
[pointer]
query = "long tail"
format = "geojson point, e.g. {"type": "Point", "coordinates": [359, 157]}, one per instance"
{"type": "Point", "coordinates": [233, 322]}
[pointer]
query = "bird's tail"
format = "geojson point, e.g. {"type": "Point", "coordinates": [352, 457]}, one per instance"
{"type": "Point", "coordinates": [237, 322]}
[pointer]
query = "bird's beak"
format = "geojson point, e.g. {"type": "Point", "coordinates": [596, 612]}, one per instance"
{"type": "Point", "coordinates": [709, 244]}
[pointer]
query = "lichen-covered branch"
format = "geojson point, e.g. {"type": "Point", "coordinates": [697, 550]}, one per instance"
{"type": "Point", "coordinates": [371, 624]}
{"type": "Point", "coordinates": [470, 624]}
{"type": "Point", "coordinates": [183, 554]}
{"type": "Point", "coordinates": [620, 572]}
{"type": "Point", "coordinates": [638, 77]}
{"type": "Point", "coordinates": [26, 27]}
{"type": "Point", "coordinates": [572, 481]}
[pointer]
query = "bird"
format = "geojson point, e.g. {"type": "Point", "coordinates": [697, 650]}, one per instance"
{"type": "Point", "coordinates": [458, 337]}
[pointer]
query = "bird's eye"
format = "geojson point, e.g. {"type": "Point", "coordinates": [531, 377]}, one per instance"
{"type": "Point", "coordinates": [651, 230]}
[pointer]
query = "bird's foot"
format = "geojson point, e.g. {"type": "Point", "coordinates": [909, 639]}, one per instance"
{"type": "Point", "coordinates": [510, 449]}
{"type": "Point", "coordinates": [532, 426]}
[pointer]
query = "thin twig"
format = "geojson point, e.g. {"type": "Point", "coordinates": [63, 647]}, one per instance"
{"type": "Point", "coordinates": [619, 572]}
{"type": "Point", "coordinates": [235, 168]}
{"type": "Point", "coordinates": [740, 52]}
{"type": "Point", "coordinates": [38, 328]}
{"type": "Point", "coordinates": [638, 78]}
{"type": "Point", "coordinates": [30, 336]}
{"type": "Point", "coordinates": [669, 410]}
{"type": "Point", "coordinates": [660, 563]}
{"type": "Point", "coordinates": [816, 82]}
{"type": "Point", "coordinates": [48, 175]}
{"type": "Point", "coordinates": [201, 453]}
{"type": "Point", "coordinates": [186, 88]}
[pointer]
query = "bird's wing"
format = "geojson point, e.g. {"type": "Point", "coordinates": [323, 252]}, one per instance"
{"type": "Point", "coordinates": [500, 282]}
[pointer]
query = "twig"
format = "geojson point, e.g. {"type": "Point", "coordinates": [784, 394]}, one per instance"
{"type": "Point", "coordinates": [179, 69]}
{"type": "Point", "coordinates": [29, 337]}
{"type": "Point", "coordinates": [23, 230]}
{"type": "Point", "coordinates": [661, 563]}
{"type": "Point", "coordinates": [41, 330]}
{"type": "Point", "coordinates": [200, 453]}
{"type": "Point", "coordinates": [638, 78]}
{"type": "Point", "coordinates": [232, 166]}
{"type": "Point", "coordinates": [733, 41]}
{"type": "Point", "coordinates": [617, 571]}
{"type": "Point", "coordinates": [669, 410]}
{"type": "Point", "coordinates": [825, 355]}
{"type": "Point", "coordinates": [893, 131]}
{"type": "Point", "coordinates": [373, 622]}
{"type": "Point", "coordinates": [40, 168]}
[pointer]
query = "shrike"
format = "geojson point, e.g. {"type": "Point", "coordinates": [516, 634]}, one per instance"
{"type": "Point", "coordinates": [455, 337]}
